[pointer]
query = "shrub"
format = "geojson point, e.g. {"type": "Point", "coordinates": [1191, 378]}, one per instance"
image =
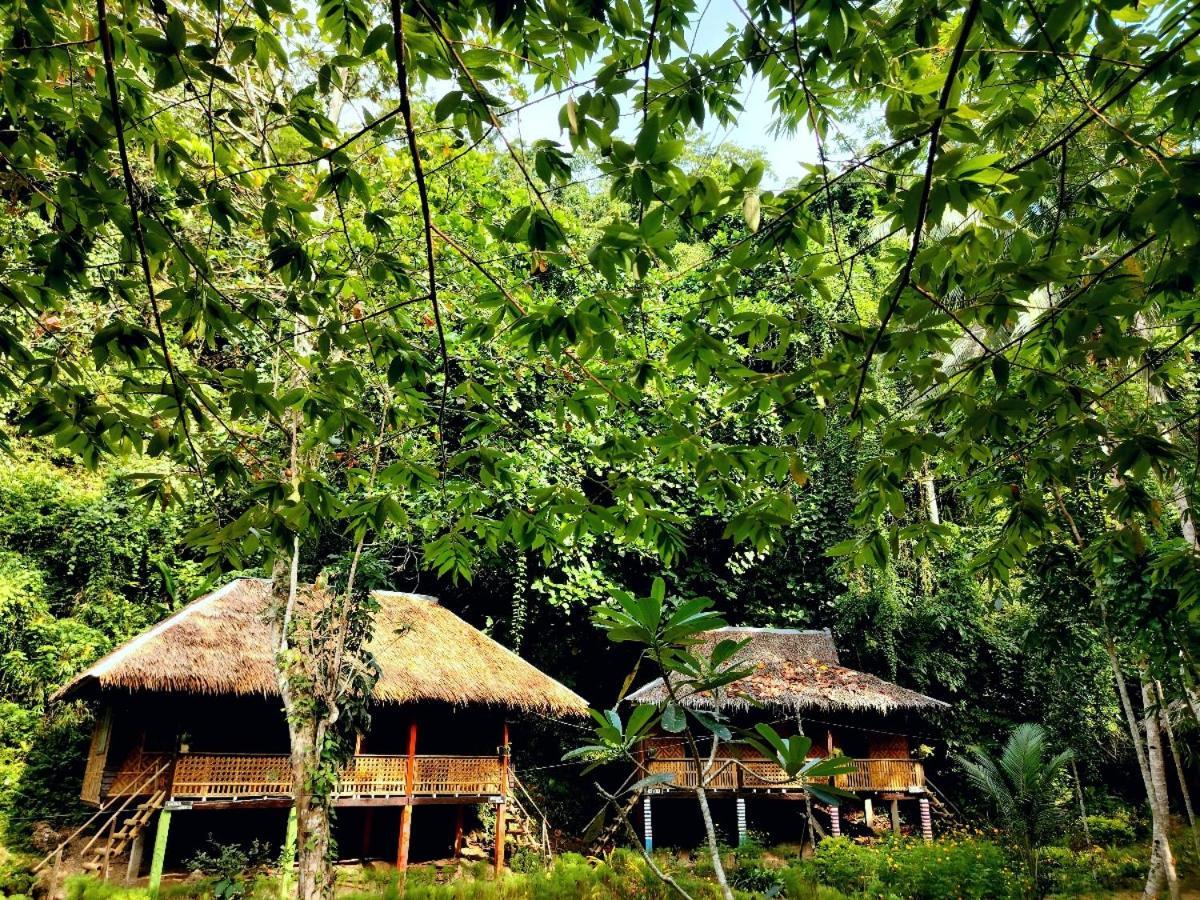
{"type": "Point", "coordinates": [526, 859]}
{"type": "Point", "coordinates": [1086, 872]}
{"type": "Point", "coordinates": [757, 879]}
{"type": "Point", "coordinates": [1112, 830]}
{"type": "Point", "coordinates": [229, 864]}
{"type": "Point", "coordinates": [842, 864]}
{"type": "Point", "coordinates": [952, 867]}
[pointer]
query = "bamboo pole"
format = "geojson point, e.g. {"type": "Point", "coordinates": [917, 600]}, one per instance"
{"type": "Point", "coordinates": [160, 852]}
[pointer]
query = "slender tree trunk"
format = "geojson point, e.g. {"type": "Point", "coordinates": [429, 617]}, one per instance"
{"type": "Point", "coordinates": [1164, 717]}
{"type": "Point", "coordinates": [306, 737]}
{"type": "Point", "coordinates": [929, 489]}
{"type": "Point", "coordinates": [1158, 799]}
{"type": "Point", "coordinates": [1161, 862]}
{"type": "Point", "coordinates": [1087, 835]}
{"type": "Point", "coordinates": [1193, 699]}
{"type": "Point", "coordinates": [714, 849]}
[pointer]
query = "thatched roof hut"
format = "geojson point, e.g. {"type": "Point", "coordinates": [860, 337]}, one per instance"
{"type": "Point", "coordinates": [221, 644]}
{"type": "Point", "coordinates": [793, 670]}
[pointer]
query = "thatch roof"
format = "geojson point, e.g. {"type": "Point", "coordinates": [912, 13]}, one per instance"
{"type": "Point", "coordinates": [793, 670]}
{"type": "Point", "coordinates": [220, 644]}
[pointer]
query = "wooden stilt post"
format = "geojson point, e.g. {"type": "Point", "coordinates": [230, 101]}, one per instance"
{"type": "Point", "coordinates": [501, 807]}
{"type": "Point", "coordinates": [835, 822]}
{"type": "Point", "coordinates": [368, 827]}
{"type": "Point", "coordinates": [160, 852]}
{"type": "Point", "coordinates": [136, 851]}
{"type": "Point", "coordinates": [895, 811]}
{"type": "Point", "coordinates": [647, 824]}
{"type": "Point", "coordinates": [741, 820]}
{"type": "Point", "coordinates": [460, 812]}
{"type": "Point", "coordinates": [868, 812]}
{"type": "Point", "coordinates": [926, 820]}
{"type": "Point", "coordinates": [287, 857]}
{"type": "Point", "coordinates": [406, 811]}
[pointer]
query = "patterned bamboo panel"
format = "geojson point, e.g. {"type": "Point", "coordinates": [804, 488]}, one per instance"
{"type": "Point", "coordinates": [722, 777]}
{"type": "Point", "coordinates": [757, 773]}
{"type": "Point", "coordinates": [205, 775]}
{"type": "Point", "coordinates": [135, 770]}
{"type": "Point", "coordinates": [763, 774]}
{"type": "Point", "coordinates": [457, 775]}
{"type": "Point", "coordinates": [883, 775]}
{"type": "Point", "coordinates": [230, 775]}
{"type": "Point", "coordinates": [374, 775]}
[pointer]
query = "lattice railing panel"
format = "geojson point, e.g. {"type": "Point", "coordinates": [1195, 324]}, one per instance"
{"type": "Point", "coordinates": [134, 771]}
{"type": "Point", "coordinates": [457, 775]}
{"type": "Point", "coordinates": [883, 775]}
{"type": "Point", "coordinates": [762, 774]}
{"type": "Point", "coordinates": [207, 775]}
{"type": "Point", "coordinates": [379, 775]}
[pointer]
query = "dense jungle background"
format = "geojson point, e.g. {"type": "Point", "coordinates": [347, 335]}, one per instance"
{"type": "Point", "coordinates": [290, 285]}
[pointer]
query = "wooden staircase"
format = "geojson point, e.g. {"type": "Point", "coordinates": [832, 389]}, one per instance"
{"type": "Point", "coordinates": [112, 829]}
{"type": "Point", "coordinates": [528, 829]}
{"type": "Point", "coordinates": [118, 833]}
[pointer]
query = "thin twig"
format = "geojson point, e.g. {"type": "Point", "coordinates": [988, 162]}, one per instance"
{"type": "Point", "coordinates": [923, 204]}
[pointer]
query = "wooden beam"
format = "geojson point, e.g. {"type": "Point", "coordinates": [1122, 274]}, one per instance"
{"type": "Point", "coordinates": [406, 811]}
{"type": "Point", "coordinates": [459, 814]}
{"type": "Point", "coordinates": [368, 825]}
{"type": "Point", "coordinates": [501, 824]}
{"type": "Point", "coordinates": [501, 807]}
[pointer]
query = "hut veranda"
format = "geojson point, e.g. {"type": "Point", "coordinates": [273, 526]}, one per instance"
{"type": "Point", "coordinates": [189, 727]}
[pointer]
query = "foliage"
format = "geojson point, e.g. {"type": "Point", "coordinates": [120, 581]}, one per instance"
{"type": "Point", "coordinates": [1111, 830]}
{"type": "Point", "coordinates": [1087, 872]}
{"type": "Point", "coordinates": [948, 867]}
{"type": "Point", "coordinates": [229, 864]}
{"type": "Point", "coordinates": [845, 865]}
{"type": "Point", "coordinates": [1023, 786]}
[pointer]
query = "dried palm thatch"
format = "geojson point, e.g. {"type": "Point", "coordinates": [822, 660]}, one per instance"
{"type": "Point", "coordinates": [221, 645]}
{"type": "Point", "coordinates": [792, 670]}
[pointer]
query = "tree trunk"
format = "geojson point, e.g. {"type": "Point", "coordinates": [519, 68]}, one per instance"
{"type": "Point", "coordinates": [1164, 717]}
{"type": "Point", "coordinates": [1087, 836]}
{"type": "Point", "coordinates": [306, 737]}
{"type": "Point", "coordinates": [1164, 870]}
{"type": "Point", "coordinates": [931, 499]}
{"type": "Point", "coordinates": [714, 848]}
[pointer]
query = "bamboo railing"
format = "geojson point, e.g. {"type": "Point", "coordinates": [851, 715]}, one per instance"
{"type": "Point", "coordinates": [762, 774]}
{"type": "Point", "coordinates": [219, 776]}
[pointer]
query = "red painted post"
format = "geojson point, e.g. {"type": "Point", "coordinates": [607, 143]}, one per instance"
{"type": "Point", "coordinates": [501, 807]}
{"type": "Point", "coordinates": [406, 811]}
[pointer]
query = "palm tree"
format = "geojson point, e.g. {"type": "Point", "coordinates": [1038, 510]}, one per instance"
{"type": "Point", "coordinates": [1023, 786]}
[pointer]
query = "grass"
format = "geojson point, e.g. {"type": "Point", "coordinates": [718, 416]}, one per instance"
{"type": "Point", "coordinates": [959, 866]}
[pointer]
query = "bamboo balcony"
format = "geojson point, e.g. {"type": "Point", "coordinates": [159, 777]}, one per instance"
{"type": "Point", "coordinates": [756, 774]}
{"type": "Point", "coordinates": [237, 776]}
